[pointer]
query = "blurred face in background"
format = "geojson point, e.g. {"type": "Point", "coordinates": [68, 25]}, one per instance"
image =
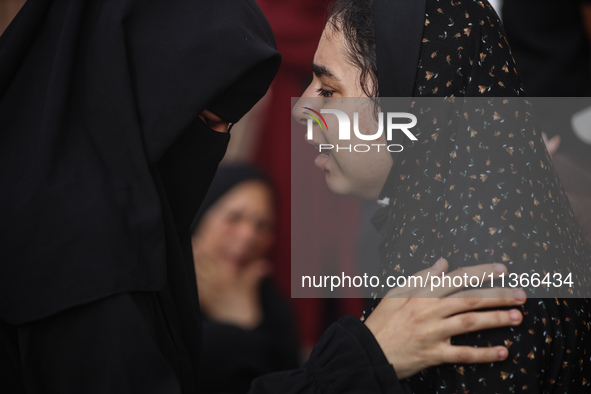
{"type": "Point", "coordinates": [238, 228]}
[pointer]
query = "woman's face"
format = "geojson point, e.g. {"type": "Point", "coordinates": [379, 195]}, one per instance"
{"type": "Point", "coordinates": [238, 228]}
{"type": "Point", "coordinates": [360, 174]}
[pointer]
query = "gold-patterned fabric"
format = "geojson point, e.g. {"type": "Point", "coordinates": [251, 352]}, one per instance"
{"type": "Point", "coordinates": [481, 188]}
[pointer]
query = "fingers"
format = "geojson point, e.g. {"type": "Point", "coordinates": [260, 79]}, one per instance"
{"type": "Point", "coordinates": [411, 291]}
{"type": "Point", "coordinates": [469, 300]}
{"type": "Point", "coordinates": [434, 282]}
{"type": "Point", "coordinates": [440, 266]}
{"type": "Point", "coordinates": [491, 292]}
{"type": "Point", "coordinates": [470, 355]}
{"type": "Point", "coordinates": [444, 286]}
{"type": "Point", "coordinates": [476, 321]}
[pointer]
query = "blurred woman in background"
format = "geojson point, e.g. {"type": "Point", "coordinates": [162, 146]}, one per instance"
{"type": "Point", "coordinates": [248, 330]}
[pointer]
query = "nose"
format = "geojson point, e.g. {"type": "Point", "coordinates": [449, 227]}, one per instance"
{"type": "Point", "coordinates": [298, 110]}
{"type": "Point", "coordinates": [247, 234]}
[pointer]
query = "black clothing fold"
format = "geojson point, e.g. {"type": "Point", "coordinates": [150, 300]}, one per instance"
{"type": "Point", "coordinates": [120, 344]}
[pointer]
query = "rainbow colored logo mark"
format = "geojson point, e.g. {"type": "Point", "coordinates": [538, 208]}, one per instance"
{"type": "Point", "coordinates": [316, 118]}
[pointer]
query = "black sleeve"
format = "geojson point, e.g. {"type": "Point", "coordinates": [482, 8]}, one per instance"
{"type": "Point", "coordinates": [346, 359]}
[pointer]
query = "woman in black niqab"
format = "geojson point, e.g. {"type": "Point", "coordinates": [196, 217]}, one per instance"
{"type": "Point", "coordinates": [103, 158]}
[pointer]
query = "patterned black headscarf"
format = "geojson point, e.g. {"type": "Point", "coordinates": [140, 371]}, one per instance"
{"type": "Point", "coordinates": [483, 194]}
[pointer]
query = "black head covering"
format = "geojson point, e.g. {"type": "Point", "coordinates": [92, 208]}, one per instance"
{"type": "Point", "coordinates": [103, 159]}
{"type": "Point", "coordinates": [485, 194]}
{"type": "Point", "coordinates": [398, 30]}
{"type": "Point", "coordinates": [227, 177]}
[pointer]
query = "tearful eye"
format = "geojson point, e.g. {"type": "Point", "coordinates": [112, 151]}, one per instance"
{"type": "Point", "coordinates": [324, 93]}
{"type": "Point", "coordinates": [214, 122]}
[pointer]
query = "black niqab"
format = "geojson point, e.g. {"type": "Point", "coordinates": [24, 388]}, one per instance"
{"type": "Point", "coordinates": [103, 159]}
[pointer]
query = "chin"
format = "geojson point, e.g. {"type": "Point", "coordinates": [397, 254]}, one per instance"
{"type": "Point", "coordinates": [339, 186]}
{"type": "Point", "coordinates": [343, 188]}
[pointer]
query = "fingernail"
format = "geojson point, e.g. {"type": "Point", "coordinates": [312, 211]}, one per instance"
{"type": "Point", "coordinates": [438, 265]}
{"type": "Point", "coordinates": [503, 353]}
{"type": "Point", "coordinates": [500, 268]}
{"type": "Point", "coordinates": [515, 315]}
{"type": "Point", "coordinates": [520, 295]}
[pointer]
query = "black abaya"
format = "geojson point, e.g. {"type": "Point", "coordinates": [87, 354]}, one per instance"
{"type": "Point", "coordinates": [93, 95]}
{"type": "Point", "coordinates": [103, 159]}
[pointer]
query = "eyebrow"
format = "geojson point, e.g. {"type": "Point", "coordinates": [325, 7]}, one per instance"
{"type": "Point", "coordinates": [323, 71]}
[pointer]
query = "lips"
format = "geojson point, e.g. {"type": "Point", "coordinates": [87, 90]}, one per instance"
{"type": "Point", "coordinates": [321, 161]}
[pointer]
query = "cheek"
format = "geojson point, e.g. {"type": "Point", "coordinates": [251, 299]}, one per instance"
{"type": "Point", "coordinates": [359, 172]}
{"type": "Point", "coordinates": [358, 167]}
{"type": "Point", "coordinates": [251, 247]}
{"type": "Point", "coordinates": [214, 238]}
{"type": "Point", "coordinates": [344, 172]}
{"type": "Point", "coordinates": [331, 136]}
{"type": "Point", "coordinates": [367, 160]}
{"type": "Point", "coordinates": [264, 243]}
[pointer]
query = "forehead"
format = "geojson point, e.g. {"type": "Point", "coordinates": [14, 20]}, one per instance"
{"type": "Point", "coordinates": [331, 44]}
{"type": "Point", "coordinates": [331, 55]}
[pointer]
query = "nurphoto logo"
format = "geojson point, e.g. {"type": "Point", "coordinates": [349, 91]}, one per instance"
{"type": "Point", "coordinates": [394, 121]}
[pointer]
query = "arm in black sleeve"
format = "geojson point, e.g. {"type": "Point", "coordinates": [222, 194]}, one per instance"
{"type": "Point", "coordinates": [346, 359]}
